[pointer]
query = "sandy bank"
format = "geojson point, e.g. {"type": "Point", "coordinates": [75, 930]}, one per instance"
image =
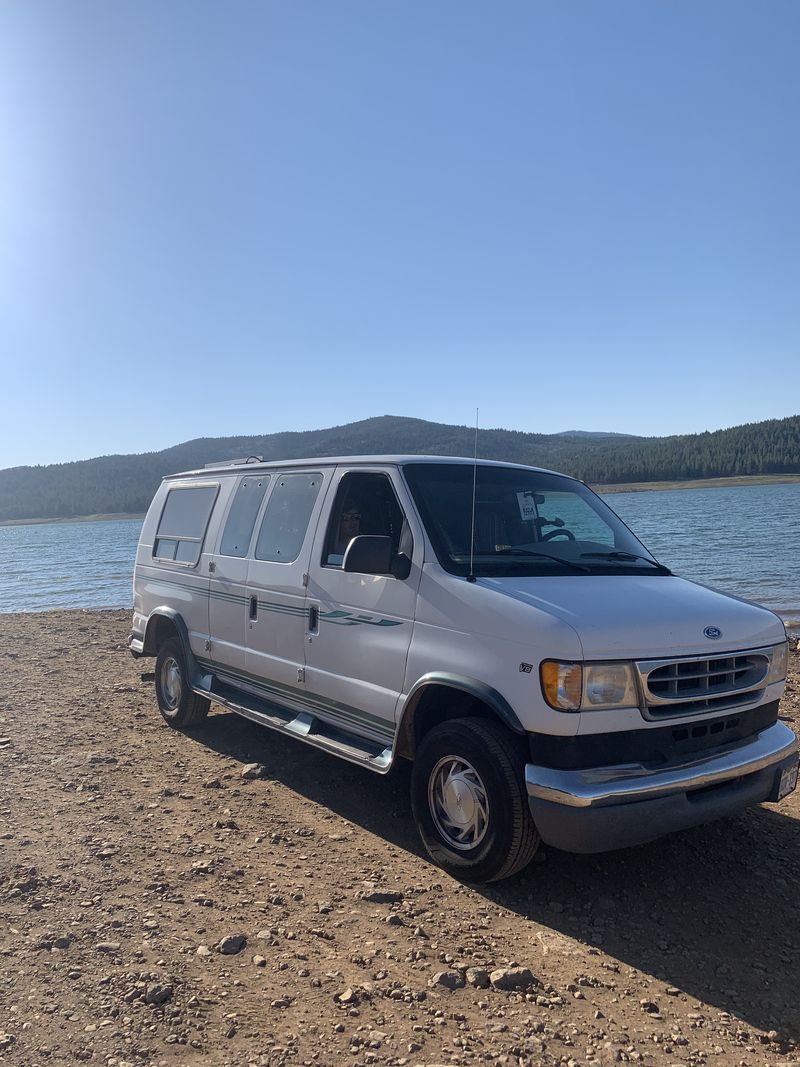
{"type": "Point", "coordinates": [129, 852]}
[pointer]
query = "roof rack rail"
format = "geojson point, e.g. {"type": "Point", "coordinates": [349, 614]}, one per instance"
{"type": "Point", "coordinates": [234, 462]}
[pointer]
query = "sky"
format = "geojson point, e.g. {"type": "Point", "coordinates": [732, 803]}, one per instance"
{"type": "Point", "coordinates": [249, 217]}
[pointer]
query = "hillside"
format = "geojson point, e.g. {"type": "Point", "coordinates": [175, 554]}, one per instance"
{"type": "Point", "coordinates": [117, 484]}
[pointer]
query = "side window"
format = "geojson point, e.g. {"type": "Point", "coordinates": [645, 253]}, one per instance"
{"type": "Point", "coordinates": [183, 523]}
{"type": "Point", "coordinates": [285, 521]}
{"type": "Point", "coordinates": [365, 504]}
{"type": "Point", "coordinates": [242, 516]}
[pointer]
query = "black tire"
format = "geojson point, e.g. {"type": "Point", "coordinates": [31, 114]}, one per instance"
{"type": "Point", "coordinates": [473, 770]}
{"type": "Point", "coordinates": [177, 703]}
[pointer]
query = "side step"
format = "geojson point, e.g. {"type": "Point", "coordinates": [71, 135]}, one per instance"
{"type": "Point", "coordinates": [304, 725]}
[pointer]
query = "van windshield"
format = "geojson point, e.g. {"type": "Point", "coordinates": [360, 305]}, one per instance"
{"type": "Point", "coordinates": [526, 522]}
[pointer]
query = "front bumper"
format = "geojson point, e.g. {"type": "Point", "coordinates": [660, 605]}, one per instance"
{"type": "Point", "coordinates": [603, 808]}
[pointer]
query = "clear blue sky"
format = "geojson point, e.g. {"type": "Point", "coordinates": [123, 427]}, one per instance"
{"type": "Point", "coordinates": [244, 217]}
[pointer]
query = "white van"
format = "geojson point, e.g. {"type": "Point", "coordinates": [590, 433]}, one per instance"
{"type": "Point", "coordinates": [496, 624]}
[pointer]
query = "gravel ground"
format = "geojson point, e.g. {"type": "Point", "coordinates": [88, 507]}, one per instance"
{"type": "Point", "coordinates": [158, 906]}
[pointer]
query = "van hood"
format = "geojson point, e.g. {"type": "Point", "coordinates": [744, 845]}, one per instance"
{"type": "Point", "coordinates": [645, 616]}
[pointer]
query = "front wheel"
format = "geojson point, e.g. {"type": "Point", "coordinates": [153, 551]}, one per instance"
{"type": "Point", "coordinates": [178, 704]}
{"type": "Point", "coordinates": [469, 800]}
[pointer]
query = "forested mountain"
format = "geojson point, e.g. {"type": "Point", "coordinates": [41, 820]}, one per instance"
{"type": "Point", "coordinates": [113, 484]}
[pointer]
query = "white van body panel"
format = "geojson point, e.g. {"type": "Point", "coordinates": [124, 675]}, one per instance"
{"type": "Point", "coordinates": [357, 655]}
{"type": "Point", "coordinates": [275, 652]}
{"type": "Point", "coordinates": [227, 611]}
{"type": "Point", "coordinates": [639, 616]}
{"type": "Point", "coordinates": [163, 583]}
{"type": "Point", "coordinates": [497, 635]}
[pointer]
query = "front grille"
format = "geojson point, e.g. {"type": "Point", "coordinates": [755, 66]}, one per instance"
{"type": "Point", "coordinates": [686, 686]}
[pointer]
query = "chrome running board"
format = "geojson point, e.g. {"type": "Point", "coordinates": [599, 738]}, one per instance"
{"type": "Point", "coordinates": [303, 725]}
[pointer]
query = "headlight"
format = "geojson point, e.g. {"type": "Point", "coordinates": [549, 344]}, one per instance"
{"type": "Point", "coordinates": [779, 663]}
{"type": "Point", "coordinates": [589, 686]}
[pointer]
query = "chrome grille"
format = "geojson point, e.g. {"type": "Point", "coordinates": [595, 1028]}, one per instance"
{"type": "Point", "coordinates": [684, 686]}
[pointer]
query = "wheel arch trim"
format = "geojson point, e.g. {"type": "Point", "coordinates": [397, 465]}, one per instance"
{"type": "Point", "coordinates": [177, 620]}
{"type": "Point", "coordinates": [473, 687]}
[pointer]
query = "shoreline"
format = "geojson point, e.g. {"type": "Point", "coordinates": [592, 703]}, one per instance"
{"type": "Point", "coordinates": [121, 516]}
{"type": "Point", "coordinates": [738, 481]}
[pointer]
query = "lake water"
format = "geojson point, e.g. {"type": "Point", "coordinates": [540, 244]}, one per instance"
{"type": "Point", "coordinates": [743, 540]}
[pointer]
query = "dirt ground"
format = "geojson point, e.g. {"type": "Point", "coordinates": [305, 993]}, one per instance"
{"type": "Point", "coordinates": [131, 856]}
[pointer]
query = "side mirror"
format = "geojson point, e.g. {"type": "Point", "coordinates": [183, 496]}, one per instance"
{"type": "Point", "coordinates": [368, 554]}
{"type": "Point", "coordinates": [401, 565]}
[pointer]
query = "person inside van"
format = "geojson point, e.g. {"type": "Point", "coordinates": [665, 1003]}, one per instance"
{"type": "Point", "coordinates": [349, 527]}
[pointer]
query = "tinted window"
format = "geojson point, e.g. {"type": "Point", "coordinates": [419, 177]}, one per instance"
{"type": "Point", "coordinates": [242, 516]}
{"type": "Point", "coordinates": [521, 521]}
{"type": "Point", "coordinates": [285, 522]}
{"type": "Point", "coordinates": [187, 511]}
{"type": "Point", "coordinates": [365, 504]}
{"type": "Point", "coordinates": [183, 523]}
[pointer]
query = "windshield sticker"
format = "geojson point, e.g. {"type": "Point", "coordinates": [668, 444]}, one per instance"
{"type": "Point", "coordinates": [527, 506]}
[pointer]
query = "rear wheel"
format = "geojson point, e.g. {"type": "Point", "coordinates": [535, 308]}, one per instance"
{"type": "Point", "coordinates": [469, 800]}
{"type": "Point", "coordinates": [177, 703]}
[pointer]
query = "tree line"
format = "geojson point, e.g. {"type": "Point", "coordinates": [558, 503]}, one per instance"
{"type": "Point", "coordinates": [125, 484]}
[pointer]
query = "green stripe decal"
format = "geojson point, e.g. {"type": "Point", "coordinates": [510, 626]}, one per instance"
{"type": "Point", "coordinates": [313, 701]}
{"type": "Point", "coordinates": [337, 617]}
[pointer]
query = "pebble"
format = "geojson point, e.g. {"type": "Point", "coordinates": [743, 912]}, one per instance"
{"type": "Point", "coordinates": [253, 771]}
{"type": "Point", "coordinates": [347, 997]}
{"type": "Point", "coordinates": [478, 977]}
{"type": "Point", "coordinates": [157, 994]}
{"type": "Point", "coordinates": [447, 979]}
{"type": "Point", "coordinates": [512, 978]}
{"type": "Point", "coordinates": [107, 946]}
{"type": "Point", "coordinates": [383, 896]}
{"type": "Point", "coordinates": [231, 944]}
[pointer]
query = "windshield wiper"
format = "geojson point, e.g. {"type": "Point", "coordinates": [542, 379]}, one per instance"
{"type": "Point", "coordinates": [628, 556]}
{"type": "Point", "coordinates": [543, 555]}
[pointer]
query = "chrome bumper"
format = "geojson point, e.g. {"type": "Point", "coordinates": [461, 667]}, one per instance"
{"type": "Point", "coordinates": [631, 783]}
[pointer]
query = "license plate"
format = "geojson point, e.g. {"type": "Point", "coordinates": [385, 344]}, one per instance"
{"type": "Point", "coordinates": [788, 780]}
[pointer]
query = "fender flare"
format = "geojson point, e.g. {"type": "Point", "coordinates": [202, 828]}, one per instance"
{"type": "Point", "coordinates": [471, 686]}
{"type": "Point", "coordinates": [166, 612]}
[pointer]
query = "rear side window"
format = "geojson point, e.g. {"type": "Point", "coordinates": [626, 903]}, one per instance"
{"type": "Point", "coordinates": [242, 516]}
{"type": "Point", "coordinates": [286, 518]}
{"type": "Point", "coordinates": [183, 523]}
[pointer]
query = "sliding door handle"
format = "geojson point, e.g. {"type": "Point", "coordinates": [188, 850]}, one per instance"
{"type": "Point", "coordinates": [253, 608]}
{"type": "Point", "coordinates": [313, 619]}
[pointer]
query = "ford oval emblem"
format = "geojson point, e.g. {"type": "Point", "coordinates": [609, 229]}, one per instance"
{"type": "Point", "coordinates": [713, 633]}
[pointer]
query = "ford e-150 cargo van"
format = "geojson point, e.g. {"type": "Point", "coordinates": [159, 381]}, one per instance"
{"type": "Point", "coordinates": [498, 625]}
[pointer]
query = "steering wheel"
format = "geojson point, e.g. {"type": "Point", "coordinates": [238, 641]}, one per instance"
{"type": "Point", "coordinates": [551, 534]}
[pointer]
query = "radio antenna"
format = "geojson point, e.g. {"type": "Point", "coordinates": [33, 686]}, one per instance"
{"type": "Point", "coordinates": [471, 576]}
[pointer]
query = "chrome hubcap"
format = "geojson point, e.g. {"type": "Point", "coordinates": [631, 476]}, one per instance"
{"type": "Point", "coordinates": [171, 683]}
{"type": "Point", "coordinates": [458, 803]}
